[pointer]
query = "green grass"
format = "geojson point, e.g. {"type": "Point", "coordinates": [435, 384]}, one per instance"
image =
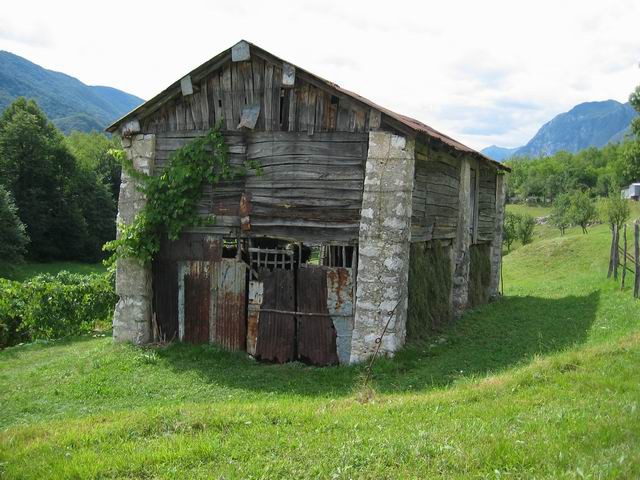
{"type": "Point", "coordinates": [31, 269]}
{"type": "Point", "coordinates": [534, 211]}
{"type": "Point", "coordinates": [541, 384]}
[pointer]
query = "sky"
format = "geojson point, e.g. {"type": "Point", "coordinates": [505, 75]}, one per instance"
{"type": "Point", "coordinates": [485, 71]}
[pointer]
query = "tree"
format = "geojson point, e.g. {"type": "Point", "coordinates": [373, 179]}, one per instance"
{"type": "Point", "coordinates": [614, 210]}
{"type": "Point", "coordinates": [560, 212]}
{"type": "Point", "coordinates": [94, 152]}
{"type": "Point", "coordinates": [13, 237]}
{"type": "Point", "coordinates": [525, 227]}
{"type": "Point", "coordinates": [509, 229]}
{"type": "Point", "coordinates": [582, 210]}
{"type": "Point", "coordinates": [65, 209]}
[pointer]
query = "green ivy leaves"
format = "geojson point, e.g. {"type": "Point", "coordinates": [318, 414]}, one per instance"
{"type": "Point", "coordinates": [173, 197]}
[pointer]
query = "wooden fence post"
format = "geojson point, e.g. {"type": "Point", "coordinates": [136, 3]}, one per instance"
{"type": "Point", "coordinates": [636, 286]}
{"type": "Point", "coordinates": [616, 246]}
{"type": "Point", "coordinates": [624, 257]}
{"type": "Point", "coordinates": [613, 243]}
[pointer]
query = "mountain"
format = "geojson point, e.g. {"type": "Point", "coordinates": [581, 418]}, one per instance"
{"type": "Point", "coordinates": [499, 153]}
{"type": "Point", "coordinates": [68, 102]}
{"type": "Point", "coordinates": [590, 124]}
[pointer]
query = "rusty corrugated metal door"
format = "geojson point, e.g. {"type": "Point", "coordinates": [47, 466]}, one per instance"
{"type": "Point", "coordinates": [196, 302]}
{"type": "Point", "coordinates": [276, 331]}
{"type": "Point", "coordinates": [316, 334]}
{"type": "Point", "coordinates": [229, 300]}
{"type": "Point", "coordinates": [165, 298]}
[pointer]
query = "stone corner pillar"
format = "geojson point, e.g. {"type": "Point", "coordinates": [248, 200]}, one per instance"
{"type": "Point", "coordinates": [462, 243]}
{"type": "Point", "coordinates": [132, 315]}
{"type": "Point", "coordinates": [385, 229]}
{"type": "Point", "coordinates": [496, 242]}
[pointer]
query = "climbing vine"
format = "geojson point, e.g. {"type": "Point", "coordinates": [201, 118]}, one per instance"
{"type": "Point", "coordinates": [173, 196]}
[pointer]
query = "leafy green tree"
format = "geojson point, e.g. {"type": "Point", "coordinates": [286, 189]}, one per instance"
{"type": "Point", "coordinates": [525, 228]}
{"type": "Point", "coordinates": [582, 210]}
{"type": "Point", "coordinates": [13, 237]}
{"type": "Point", "coordinates": [63, 206]}
{"type": "Point", "coordinates": [94, 151]}
{"type": "Point", "coordinates": [614, 210]}
{"type": "Point", "coordinates": [560, 212]}
{"type": "Point", "coordinates": [509, 229]}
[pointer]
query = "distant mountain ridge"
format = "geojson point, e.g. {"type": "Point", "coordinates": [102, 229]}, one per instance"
{"type": "Point", "coordinates": [589, 124]}
{"type": "Point", "coordinates": [68, 102]}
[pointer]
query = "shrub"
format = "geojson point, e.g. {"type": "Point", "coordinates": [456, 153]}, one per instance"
{"type": "Point", "coordinates": [54, 306]}
{"type": "Point", "coordinates": [525, 228]}
{"type": "Point", "coordinates": [517, 227]}
{"type": "Point", "coordinates": [509, 232]}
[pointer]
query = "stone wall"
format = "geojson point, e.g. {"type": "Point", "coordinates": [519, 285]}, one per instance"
{"type": "Point", "coordinates": [461, 256]}
{"type": "Point", "coordinates": [496, 244]}
{"type": "Point", "coordinates": [132, 316]}
{"type": "Point", "coordinates": [385, 226]}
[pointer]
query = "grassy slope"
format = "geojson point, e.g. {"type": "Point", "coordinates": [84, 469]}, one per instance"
{"type": "Point", "coordinates": [543, 383]}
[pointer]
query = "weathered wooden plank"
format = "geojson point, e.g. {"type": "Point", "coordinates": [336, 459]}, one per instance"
{"type": "Point", "coordinates": [349, 149]}
{"type": "Point", "coordinates": [275, 93]}
{"type": "Point", "coordinates": [303, 107]}
{"type": "Point", "coordinates": [227, 94]}
{"type": "Point", "coordinates": [311, 110]}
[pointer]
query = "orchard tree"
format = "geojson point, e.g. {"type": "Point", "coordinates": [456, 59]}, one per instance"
{"type": "Point", "coordinates": [582, 210]}
{"type": "Point", "coordinates": [560, 212]}
{"type": "Point", "coordinates": [614, 210]}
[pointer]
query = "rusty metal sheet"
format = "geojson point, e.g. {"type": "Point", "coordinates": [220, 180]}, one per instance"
{"type": "Point", "coordinates": [253, 314]}
{"type": "Point", "coordinates": [316, 334]}
{"type": "Point", "coordinates": [196, 286]}
{"type": "Point", "coordinates": [165, 298]}
{"type": "Point", "coordinates": [229, 299]}
{"type": "Point", "coordinates": [340, 307]}
{"type": "Point", "coordinates": [276, 331]}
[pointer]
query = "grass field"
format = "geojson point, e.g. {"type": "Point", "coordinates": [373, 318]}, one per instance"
{"type": "Point", "coordinates": [31, 269]}
{"type": "Point", "coordinates": [541, 384]}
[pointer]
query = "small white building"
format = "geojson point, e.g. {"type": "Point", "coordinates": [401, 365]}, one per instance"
{"type": "Point", "coordinates": [633, 192]}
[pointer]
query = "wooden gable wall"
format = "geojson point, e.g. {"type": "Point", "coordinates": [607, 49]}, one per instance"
{"type": "Point", "coordinates": [307, 106]}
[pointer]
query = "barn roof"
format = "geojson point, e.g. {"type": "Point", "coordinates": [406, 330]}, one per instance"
{"type": "Point", "coordinates": [413, 125]}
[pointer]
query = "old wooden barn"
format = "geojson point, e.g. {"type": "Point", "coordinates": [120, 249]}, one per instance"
{"type": "Point", "coordinates": [360, 215]}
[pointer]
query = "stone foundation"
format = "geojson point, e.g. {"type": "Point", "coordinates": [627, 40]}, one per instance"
{"type": "Point", "coordinates": [385, 228]}
{"type": "Point", "coordinates": [132, 316]}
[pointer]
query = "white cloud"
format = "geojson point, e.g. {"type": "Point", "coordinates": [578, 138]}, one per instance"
{"type": "Point", "coordinates": [483, 72]}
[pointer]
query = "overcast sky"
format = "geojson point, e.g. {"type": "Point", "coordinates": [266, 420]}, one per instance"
{"type": "Point", "coordinates": [485, 72]}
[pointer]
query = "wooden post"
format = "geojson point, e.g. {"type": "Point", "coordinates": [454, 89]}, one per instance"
{"type": "Point", "coordinates": [636, 287]}
{"type": "Point", "coordinates": [613, 243]}
{"type": "Point", "coordinates": [624, 256]}
{"type": "Point", "coordinates": [616, 240]}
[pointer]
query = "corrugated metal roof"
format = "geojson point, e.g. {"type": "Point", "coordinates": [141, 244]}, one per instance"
{"type": "Point", "coordinates": [411, 123]}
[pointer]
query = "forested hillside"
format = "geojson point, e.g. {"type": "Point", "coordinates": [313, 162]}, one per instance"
{"type": "Point", "coordinates": [68, 102]}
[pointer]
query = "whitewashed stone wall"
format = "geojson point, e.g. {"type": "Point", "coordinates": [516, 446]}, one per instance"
{"type": "Point", "coordinates": [132, 316]}
{"type": "Point", "coordinates": [385, 228]}
{"type": "Point", "coordinates": [496, 244]}
{"type": "Point", "coordinates": [462, 260]}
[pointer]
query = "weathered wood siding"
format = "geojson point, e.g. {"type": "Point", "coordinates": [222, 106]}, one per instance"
{"type": "Point", "coordinates": [310, 188]}
{"type": "Point", "coordinates": [435, 203]}
{"type": "Point", "coordinates": [486, 203]}
{"type": "Point", "coordinates": [220, 96]}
